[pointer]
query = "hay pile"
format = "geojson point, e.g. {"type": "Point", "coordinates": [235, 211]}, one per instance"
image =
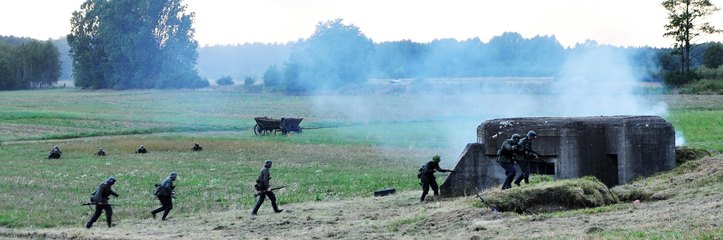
{"type": "Point", "coordinates": [567, 194]}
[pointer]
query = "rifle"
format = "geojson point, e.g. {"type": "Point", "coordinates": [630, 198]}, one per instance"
{"type": "Point", "coordinates": [272, 189]}
{"type": "Point", "coordinates": [476, 192]}
{"type": "Point", "coordinates": [94, 203]}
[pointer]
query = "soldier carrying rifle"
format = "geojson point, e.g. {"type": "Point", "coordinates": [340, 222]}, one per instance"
{"type": "Point", "coordinates": [264, 189]}
{"type": "Point", "coordinates": [100, 200]}
{"type": "Point", "coordinates": [524, 155]}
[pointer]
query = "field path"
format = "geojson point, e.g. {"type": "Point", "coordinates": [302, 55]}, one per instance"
{"type": "Point", "coordinates": [400, 216]}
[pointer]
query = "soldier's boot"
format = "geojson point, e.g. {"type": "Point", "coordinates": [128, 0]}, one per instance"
{"type": "Point", "coordinates": [276, 208]}
{"type": "Point", "coordinates": [517, 182]}
{"type": "Point", "coordinates": [88, 225]}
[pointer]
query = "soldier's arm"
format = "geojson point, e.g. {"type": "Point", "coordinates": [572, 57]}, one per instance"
{"type": "Point", "coordinates": [113, 192]}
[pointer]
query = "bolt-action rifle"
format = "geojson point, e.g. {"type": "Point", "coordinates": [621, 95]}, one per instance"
{"type": "Point", "coordinates": [476, 192]}
{"type": "Point", "coordinates": [272, 189]}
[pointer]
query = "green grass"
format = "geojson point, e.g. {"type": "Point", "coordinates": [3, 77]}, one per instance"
{"type": "Point", "coordinates": [344, 152]}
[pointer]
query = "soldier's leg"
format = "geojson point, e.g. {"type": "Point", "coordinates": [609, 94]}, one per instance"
{"type": "Point", "coordinates": [425, 190]}
{"type": "Point", "coordinates": [167, 206]}
{"type": "Point", "coordinates": [435, 187]}
{"type": "Point", "coordinates": [262, 197]}
{"type": "Point", "coordinates": [523, 168]}
{"type": "Point", "coordinates": [108, 215]}
{"type": "Point", "coordinates": [510, 172]}
{"type": "Point", "coordinates": [95, 216]}
{"type": "Point", "coordinates": [159, 209]}
{"type": "Point", "coordinates": [272, 197]}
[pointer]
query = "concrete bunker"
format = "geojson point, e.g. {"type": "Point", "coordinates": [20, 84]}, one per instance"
{"type": "Point", "coordinates": [615, 149]}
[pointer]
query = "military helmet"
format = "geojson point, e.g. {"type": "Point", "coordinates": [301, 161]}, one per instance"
{"type": "Point", "coordinates": [516, 136]}
{"type": "Point", "coordinates": [173, 175]}
{"type": "Point", "coordinates": [268, 162]}
{"type": "Point", "coordinates": [531, 134]}
{"type": "Point", "coordinates": [436, 158]}
{"type": "Point", "coordinates": [110, 180]}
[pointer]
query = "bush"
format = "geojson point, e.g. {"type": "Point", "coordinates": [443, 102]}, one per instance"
{"type": "Point", "coordinates": [705, 86]}
{"type": "Point", "coordinates": [567, 194]}
{"type": "Point", "coordinates": [676, 78]}
{"type": "Point", "coordinates": [710, 73]}
{"type": "Point", "coordinates": [225, 81]}
{"type": "Point", "coordinates": [248, 81]}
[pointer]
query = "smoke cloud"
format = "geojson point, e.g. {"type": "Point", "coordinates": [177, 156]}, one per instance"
{"type": "Point", "coordinates": [593, 81]}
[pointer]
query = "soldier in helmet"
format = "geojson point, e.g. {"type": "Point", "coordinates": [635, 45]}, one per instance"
{"type": "Point", "coordinates": [141, 149]}
{"type": "Point", "coordinates": [55, 153]}
{"type": "Point", "coordinates": [197, 147]}
{"type": "Point", "coordinates": [264, 189]}
{"type": "Point", "coordinates": [100, 200]}
{"type": "Point", "coordinates": [164, 192]}
{"type": "Point", "coordinates": [100, 152]}
{"type": "Point", "coordinates": [506, 158]}
{"type": "Point", "coordinates": [427, 179]}
{"type": "Point", "coordinates": [524, 156]}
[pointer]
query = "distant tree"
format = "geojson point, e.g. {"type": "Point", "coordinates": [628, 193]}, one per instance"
{"type": "Point", "coordinates": [224, 81]}
{"type": "Point", "coordinates": [685, 24]}
{"type": "Point", "coordinates": [713, 55]}
{"type": "Point", "coordinates": [248, 81]}
{"type": "Point", "coordinates": [134, 44]}
{"type": "Point", "coordinates": [334, 56]}
{"type": "Point", "coordinates": [272, 76]}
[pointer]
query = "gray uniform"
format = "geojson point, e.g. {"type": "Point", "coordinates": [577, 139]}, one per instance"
{"type": "Point", "coordinates": [100, 198]}
{"type": "Point", "coordinates": [164, 192]}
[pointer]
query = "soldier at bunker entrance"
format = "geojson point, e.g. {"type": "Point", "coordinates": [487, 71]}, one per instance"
{"type": "Point", "coordinates": [506, 158]}
{"type": "Point", "coordinates": [427, 179]}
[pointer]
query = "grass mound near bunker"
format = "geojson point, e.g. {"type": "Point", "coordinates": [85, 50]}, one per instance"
{"type": "Point", "coordinates": [689, 180]}
{"type": "Point", "coordinates": [567, 194]}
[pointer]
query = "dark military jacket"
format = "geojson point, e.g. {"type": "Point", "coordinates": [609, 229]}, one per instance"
{"type": "Point", "coordinates": [507, 151]}
{"type": "Point", "coordinates": [166, 187]}
{"type": "Point", "coordinates": [525, 146]}
{"type": "Point", "coordinates": [262, 182]}
{"type": "Point", "coordinates": [429, 169]}
{"type": "Point", "coordinates": [103, 192]}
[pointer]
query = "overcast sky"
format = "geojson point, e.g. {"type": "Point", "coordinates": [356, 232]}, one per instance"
{"type": "Point", "coordinates": [617, 22]}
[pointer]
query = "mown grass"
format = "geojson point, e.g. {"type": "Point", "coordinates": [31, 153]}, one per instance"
{"type": "Point", "coordinates": [45, 193]}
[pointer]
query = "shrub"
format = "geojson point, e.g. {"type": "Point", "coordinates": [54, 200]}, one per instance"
{"type": "Point", "coordinates": [567, 194]}
{"type": "Point", "coordinates": [705, 86]}
{"type": "Point", "coordinates": [225, 81]}
{"type": "Point", "coordinates": [248, 81]}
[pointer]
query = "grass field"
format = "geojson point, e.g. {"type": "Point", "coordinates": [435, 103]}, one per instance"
{"type": "Point", "coordinates": [353, 146]}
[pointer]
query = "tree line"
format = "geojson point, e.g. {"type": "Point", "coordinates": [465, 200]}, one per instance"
{"type": "Point", "coordinates": [28, 63]}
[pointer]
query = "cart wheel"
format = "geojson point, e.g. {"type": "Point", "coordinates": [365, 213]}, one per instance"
{"type": "Point", "coordinates": [258, 129]}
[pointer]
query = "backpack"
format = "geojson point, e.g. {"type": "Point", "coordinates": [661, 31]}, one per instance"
{"type": "Point", "coordinates": [158, 189]}
{"type": "Point", "coordinates": [422, 169]}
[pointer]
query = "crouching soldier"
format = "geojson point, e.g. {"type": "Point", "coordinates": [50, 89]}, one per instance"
{"type": "Point", "coordinates": [141, 149]}
{"type": "Point", "coordinates": [426, 176]}
{"type": "Point", "coordinates": [197, 147]}
{"type": "Point", "coordinates": [55, 153]}
{"type": "Point", "coordinates": [164, 192]}
{"type": "Point", "coordinates": [100, 200]}
{"type": "Point", "coordinates": [100, 152]}
{"type": "Point", "coordinates": [264, 189]}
